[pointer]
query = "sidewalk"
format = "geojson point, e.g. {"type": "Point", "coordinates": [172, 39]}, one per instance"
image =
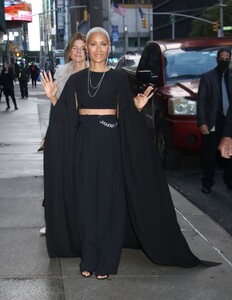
{"type": "Point", "coordinates": [27, 273]}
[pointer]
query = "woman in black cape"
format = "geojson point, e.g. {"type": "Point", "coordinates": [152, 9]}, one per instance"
{"type": "Point", "coordinates": [104, 185]}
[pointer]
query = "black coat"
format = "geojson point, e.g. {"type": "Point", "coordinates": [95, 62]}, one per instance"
{"type": "Point", "coordinates": [228, 123]}
{"type": "Point", "coordinates": [151, 222]}
{"type": "Point", "coordinates": [209, 98]}
{"type": "Point", "coordinates": [24, 73]}
{"type": "Point", "coordinates": [34, 71]}
{"type": "Point", "coordinates": [7, 79]}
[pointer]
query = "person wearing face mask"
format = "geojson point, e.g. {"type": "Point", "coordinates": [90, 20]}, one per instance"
{"type": "Point", "coordinates": [214, 97]}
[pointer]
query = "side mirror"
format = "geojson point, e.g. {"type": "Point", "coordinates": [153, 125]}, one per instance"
{"type": "Point", "coordinates": [146, 76]}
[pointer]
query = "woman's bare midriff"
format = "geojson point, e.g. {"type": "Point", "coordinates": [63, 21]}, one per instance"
{"type": "Point", "coordinates": [100, 112]}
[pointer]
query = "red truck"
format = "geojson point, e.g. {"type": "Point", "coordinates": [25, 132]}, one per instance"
{"type": "Point", "coordinates": [174, 67]}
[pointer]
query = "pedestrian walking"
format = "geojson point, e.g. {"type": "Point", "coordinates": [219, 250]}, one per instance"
{"type": "Point", "coordinates": [16, 68]}
{"type": "Point", "coordinates": [34, 72]}
{"type": "Point", "coordinates": [214, 96]}
{"type": "Point", "coordinates": [7, 85]}
{"type": "Point", "coordinates": [23, 79]}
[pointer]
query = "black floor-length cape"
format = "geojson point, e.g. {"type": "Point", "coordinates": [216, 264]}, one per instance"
{"type": "Point", "coordinates": [151, 213]}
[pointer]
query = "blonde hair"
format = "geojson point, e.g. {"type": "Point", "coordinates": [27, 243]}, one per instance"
{"type": "Point", "coordinates": [75, 36]}
{"type": "Point", "coordinates": [97, 30]}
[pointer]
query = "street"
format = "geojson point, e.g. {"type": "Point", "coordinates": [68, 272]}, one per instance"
{"type": "Point", "coordinates": [187, 180]}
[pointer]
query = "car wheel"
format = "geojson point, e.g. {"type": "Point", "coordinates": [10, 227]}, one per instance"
{"type": "Point", "coordinates": [170, 158]}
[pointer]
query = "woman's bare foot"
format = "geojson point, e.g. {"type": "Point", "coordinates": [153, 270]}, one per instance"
{"type": "Point", "coordinates": [86, 274]}
{"type": "Point", "coordinates": [102, 277]}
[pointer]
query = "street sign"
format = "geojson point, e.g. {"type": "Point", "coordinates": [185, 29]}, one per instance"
{"type": "Point", "coordinates": [115, 35]}
{"type": "Point", "coordinates": [227, 28]}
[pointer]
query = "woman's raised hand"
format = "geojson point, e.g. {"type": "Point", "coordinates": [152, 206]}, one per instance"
{"type": "Point", "coordinates": [49, 86]}
{"type": "Point", "coordinates": [141, 99]}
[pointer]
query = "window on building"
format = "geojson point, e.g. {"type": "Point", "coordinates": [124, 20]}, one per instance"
{"type": "Point", "coordinates": [143, 41]}
{"type": "Point", "coordinates": [133, 42]}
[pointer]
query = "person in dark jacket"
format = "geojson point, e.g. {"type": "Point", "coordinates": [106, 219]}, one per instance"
{"type": "Point", "coordinates": [7, 84]}
{"type": "Point", "coordinates": [24, 74]}
{"type": "Point", "coordinates": [16, 68]}
{"type": "Point", "coordinates": [34, 72]}
{"type": "Point", "coordinates": [214, 96]}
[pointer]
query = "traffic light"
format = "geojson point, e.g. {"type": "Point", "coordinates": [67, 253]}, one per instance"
{"type": "Point", "coordinates": [17, 54]}
{"type": "Point", "coordinates": [85, 15]}
{"type": "Point", "coordinates": [144, 22]}
{"type": "Point", "coordinates": [215, 26]}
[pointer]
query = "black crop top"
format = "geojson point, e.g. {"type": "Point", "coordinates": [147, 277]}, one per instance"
{"type": "Point", "coordinates": [114, 85]}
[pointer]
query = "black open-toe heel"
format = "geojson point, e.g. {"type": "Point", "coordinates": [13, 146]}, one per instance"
{"type": "Point", "coordinates": [102, 277]}
{"type": "Point", "coordinates": [86, 274]}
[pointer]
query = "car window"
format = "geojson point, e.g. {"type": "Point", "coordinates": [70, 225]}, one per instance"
{"type": "Point", "coordinates": [120, 63]}
{"type": "Point", "coordinates": [128, 61]}
{"type": "Point", "coordinates": [189, 63]}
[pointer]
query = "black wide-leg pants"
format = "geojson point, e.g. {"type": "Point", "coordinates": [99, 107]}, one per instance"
{"type": "Point", "coordinates": [99, 193]}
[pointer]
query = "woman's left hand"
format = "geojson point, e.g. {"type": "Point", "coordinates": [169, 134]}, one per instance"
{"type": "Point", "coordinates": [141, 99]}
{"type": "Point", "coordinates": [49, 86]}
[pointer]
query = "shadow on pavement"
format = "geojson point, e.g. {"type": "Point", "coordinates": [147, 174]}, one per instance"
{"type": "Point", "coordinates": [217, 204]}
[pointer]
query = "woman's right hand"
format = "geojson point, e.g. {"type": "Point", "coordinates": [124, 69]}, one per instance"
{"type": "Point", "coordinates": [49, 86]}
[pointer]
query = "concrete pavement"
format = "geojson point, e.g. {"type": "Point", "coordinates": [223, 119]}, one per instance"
{"type": "Point", "coordinates": [26, 272]}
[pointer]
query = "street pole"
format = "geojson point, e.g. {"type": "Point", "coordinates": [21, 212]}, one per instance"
{"type": "Point", "coordinates": [125, 29]}
{"type": "Point", "coordinates": [66, 23]}
{"type": "Point", "coordinates": [173, 21]}
{"type": "Point", "coordinates": [173, 15]}
{"type": "Point", "coordinates": [180, 15]}
{"type": "Point", "coordinates": [125, 38]}
{"type": "Point", "coordinates": [221, 5]}
{"type": "Point", "coordinates": [5, 39]}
